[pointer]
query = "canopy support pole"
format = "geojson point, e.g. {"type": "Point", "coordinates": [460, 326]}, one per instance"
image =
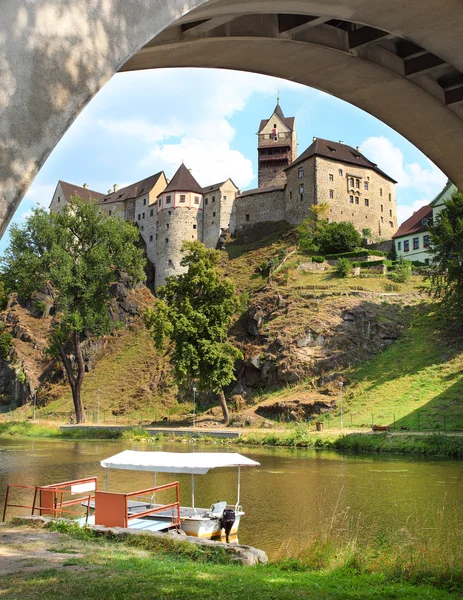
{"type": "Point", "coordinates": [193, 492]}
{"type": "Point", "coordinates": [107, 472]}
{"type": "Point", "coordinates": [239, 487]}
{"type": "Point", "coordinates": [153, 497]}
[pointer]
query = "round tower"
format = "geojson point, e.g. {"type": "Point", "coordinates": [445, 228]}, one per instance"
{"type": "Point", "coordinates": [179, 218]}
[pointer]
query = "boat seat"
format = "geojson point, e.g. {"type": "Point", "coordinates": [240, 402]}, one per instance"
{"type": "Point", "coordinates": [217, 509]}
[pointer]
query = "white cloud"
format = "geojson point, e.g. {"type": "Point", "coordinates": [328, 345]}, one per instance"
{"type": "Point", "coordinates": [391, 160]}
{"type": "Point", "coordinates": [406, 211]}
{"type": "Point", "coordinates": [40, 193]}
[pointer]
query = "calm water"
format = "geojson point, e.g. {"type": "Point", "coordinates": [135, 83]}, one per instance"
{"type": "Point", "coordinates": [293, 494]}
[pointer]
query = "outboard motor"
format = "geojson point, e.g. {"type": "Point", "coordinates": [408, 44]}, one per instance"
{"type": "Point", "coordinates": [227, 520]}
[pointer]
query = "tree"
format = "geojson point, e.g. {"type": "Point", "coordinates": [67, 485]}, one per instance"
{"type": "Point", "coordinates": [316, 219]}
{"type": "Point", "coordinates": [194, 311]}
{"type": "Point", "coordinates": [344, 267]}
{"type": "Point", "coordinates": [335, 238]}
{"type": "Point", "coordinates": [78, 253]}
{"type": "Point", "coordinates": [402, 271]}
{"type": "Point", "coordinates": [446, 235]}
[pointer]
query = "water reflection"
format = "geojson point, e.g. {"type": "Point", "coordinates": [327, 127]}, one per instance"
{"type": "Point", "coordinates": [292, 495]}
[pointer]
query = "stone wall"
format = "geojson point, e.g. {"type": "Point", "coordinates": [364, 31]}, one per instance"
{"type": "Point", "coordinates": [296, 208]}
{"type": "Point", "coordinates": [259, 207]}
{"type": "Point", "coordinates": [211, 218]}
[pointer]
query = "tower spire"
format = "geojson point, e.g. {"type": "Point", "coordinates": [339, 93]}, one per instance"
{"type": "Point", "coordinates": [278, 98]}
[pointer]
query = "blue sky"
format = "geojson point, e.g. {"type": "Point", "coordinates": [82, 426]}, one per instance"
{"type": "Point", "coordinates": [147, 121]}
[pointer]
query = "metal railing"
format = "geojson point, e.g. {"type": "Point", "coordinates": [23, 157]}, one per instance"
{"type": "Point", "coordinates": [151, 511]}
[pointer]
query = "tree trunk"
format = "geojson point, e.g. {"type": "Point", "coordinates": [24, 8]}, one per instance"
{"type": "Point", "coordinates": [75, 383]}
{"type": "Point", "coordinates": [224, 407]}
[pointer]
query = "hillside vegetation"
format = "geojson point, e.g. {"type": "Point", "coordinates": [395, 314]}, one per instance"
{"type": "Point", "coordinates": [301, 332]}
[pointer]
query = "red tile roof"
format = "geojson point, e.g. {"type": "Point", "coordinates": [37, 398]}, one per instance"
{"type": "Point", "coordinates": [340, 153]}
{"type": "Point", "coordinates": [288, 121]}
{"type": "Point", "coordinates": [69, 189]}
{"type": "Point", "coordinates": [133, 191]}
{"type": "Point", "coordinates": [183, 181]}
{"type": "Point", "coordinates": [414, 223]}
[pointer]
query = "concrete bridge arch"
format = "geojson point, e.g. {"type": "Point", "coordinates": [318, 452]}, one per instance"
{"type": "Point", "coordinates": [400, 61]}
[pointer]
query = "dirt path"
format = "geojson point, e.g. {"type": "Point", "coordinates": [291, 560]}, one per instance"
{"type": "Point", "coordinates": [30, 549]}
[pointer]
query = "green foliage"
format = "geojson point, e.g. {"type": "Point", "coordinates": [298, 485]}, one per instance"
{"type": "Point", "coordinates": [337, 237]}
{"type": "Point", "coordinates": [315, 221]}
{"type": "Point", "coordinates": [447, 257]}
{"type": "Point", "coordinates": [40, 307]}
{"type": "Point", "coordinates": [370, 263]}
{"type": "Point", "coordinates": [21, 376]}
{"type": "Point", "coordinates": [194, 311]}
{"type": "Point", "coordinates": [318, 259]}
{"type": "Point", "coordinates": [402, 272]}
{"type": "Point", "coordinates": [344, 267]}
{"type": "Point", "coordinates": [3, 295]}
{"type": "Point", "coordinates": [6, 342]}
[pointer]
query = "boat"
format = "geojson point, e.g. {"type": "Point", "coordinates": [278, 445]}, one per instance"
{"type": "Point", "coordinates": [194, 521]}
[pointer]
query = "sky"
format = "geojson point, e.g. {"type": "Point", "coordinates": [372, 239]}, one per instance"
{"type": "Point", "coordinates": [143, 122]}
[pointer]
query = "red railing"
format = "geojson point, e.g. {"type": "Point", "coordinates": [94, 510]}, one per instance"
{"type": "Point", "coordinates": [151, 511]}
{"type": "Point", "coordinates": [52, 497]}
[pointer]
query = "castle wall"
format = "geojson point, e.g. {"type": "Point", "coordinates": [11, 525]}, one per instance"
{"type": "Point", "coordinates": [297, 205]}
{"type": "Point", "coordinates": [373, 208]}
{"type": "Point", "coordinates": [260, 207]}
{"type": "Point", "coordinates": [218, 213]}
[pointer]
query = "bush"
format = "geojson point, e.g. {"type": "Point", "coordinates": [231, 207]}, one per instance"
{"type": "Point", "coordinates": [6, 341]}
{"type": "Point", "coordinates": [337, 237]}
{"type": "Point", "coordinates": [402, 272]}
{"type": "Point", "coordinates": [40, 307]}
{"type": "Point", "coordinates": [318, 259]}
{"type": "Point", "coordinates": [3, 296]}
{"type": "Point", "coordinates": [369, 263]}
{"type": "Point", "coordinates": [344, 267]}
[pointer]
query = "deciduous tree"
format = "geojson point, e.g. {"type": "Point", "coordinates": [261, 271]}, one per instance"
{"type": "Point", "coordinates": [77, 252]}
{"type": "Point", "coordinates": [194, 311]}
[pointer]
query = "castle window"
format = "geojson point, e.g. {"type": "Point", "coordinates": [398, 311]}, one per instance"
{"type": "Point", "coordinates": [225, 197]}
{"type": "Point", "coordinates": [194, 226]}
{"type": "Point", "coordinates": [382, 208]}
{"type": "Point", "coordinates": [331, 194]}
{"type": "Point", "coordinates": [382, 219]}
{"type": "Point", "coordinates": [169, 212]}
{"type": "Point", "coordinates": [391, 223]}
{"type": "Point", "coordinates": [365, 186]}
{"type": "Point", "coordinates": [367, 202]}
{"type": "Point", "coordinates": [426, 241]}
{"type": "Point", "coordinates": [156, 236]}
{"type": "Point", "coordinates": [213, 198]}
{"type": "Point", "coordinates": [168, 199]}
{"type": "Point", "coordinates": [357, 200]}
{"type": "Point", "coordinates": [160, 201]}
{"type": "Point", "coordinates": [167, 226]}
{"type": "Point", "coordinates": [142, 228]}
{"type": "Point", "coordinates": [206, 201]}
{"type": "Point", "coordinates": [213, 214]}
{"type": "Point", "coordinates": [301, 191]}
{"type": "Point", "coordinates": [290, 195]}
{"type": "Point", "coordinates": [357, 183]}
{"type": "Point", "coordinates": [143, 215]}
{"type": "Point", "coordinates": [300, 173]}
{"type": "Point", "coordinates": [331, 177]}
{"type": "Point", "coordinates": [182, 197]}
{"type": "Point", "coordinates": [351, 182]}
{"type": "Point", "coordinates": [167, 240]}
{"type": "Point", "coordinates": [110, 212]}
{"type": "Point", "coordinates": [380, 191]}
{"type": "Point", "coordinates": [340, 172]}
{"type": "Point", "coordinates": [196, 199]}
{"type": "Point", "coordinates": [351, 199]}
{"type": "Point", "coordinates": [139, 216]}
{"type": "Point", "coordinates": [151, 238]}
{"type": "Point", "coordinates": [390, 213]}
{"type": "Point", "coordinates": [151, 212]}
{"type": "Point", "coordinates": [144, 201]}
{"type": "Point", "coordinates": [247, 217]}
{"type": "Point", "coordinates": [399, 245]}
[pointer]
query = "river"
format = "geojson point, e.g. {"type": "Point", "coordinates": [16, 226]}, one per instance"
{"type": "Point", "coordinates": [290, 497]}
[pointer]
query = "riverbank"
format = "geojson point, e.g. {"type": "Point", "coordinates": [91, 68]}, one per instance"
{"type": "Point", "coordinates": [438, 444]}
{"type": "Point", "coordinates": [68, 562]}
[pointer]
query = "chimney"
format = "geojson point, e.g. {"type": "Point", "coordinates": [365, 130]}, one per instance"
{"type": "Point", "coordinates": [358, 148]}
{"type": "Point", "coordinates": [115, 187]}
{"type": "Point", "coordinates": [85, 186]}
{"type": "Point", "coordinates": [341, 142]}
{"type": "Point", "coordinates": [314, 139]}
{"type": "Point", "coordinates": [110, 192]}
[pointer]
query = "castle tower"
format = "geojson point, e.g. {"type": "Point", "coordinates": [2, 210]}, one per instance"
{"type": "Point", "coordinates": [179, 218]}
{"type": "Point", "coordinates": [277, 147]}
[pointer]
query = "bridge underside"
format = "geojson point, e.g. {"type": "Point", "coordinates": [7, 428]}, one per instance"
{"type": "Point", "coordinates": [401, 62]}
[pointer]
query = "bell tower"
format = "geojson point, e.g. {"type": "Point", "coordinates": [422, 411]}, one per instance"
{"type": "Point", "coordinates": [276, 147]}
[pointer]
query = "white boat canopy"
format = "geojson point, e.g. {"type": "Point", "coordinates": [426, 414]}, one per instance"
{"type": "Point", "coordinates": [196, 463]}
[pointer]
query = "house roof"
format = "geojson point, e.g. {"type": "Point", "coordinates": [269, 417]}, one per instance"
{"type": "Point", "coordinates": [340, 153]}
{"type": "Point", "coordinates": [183, 181]}
{"type": "Point", "coordinates": [288, 121]}
{"type": "Point", "coordinates": [414, 223]}
{"type": "Point", "coordinates": [69, 189]}
{"type": "Point", "coordinates": [262, 190]}
{"type": "Point", "coordinates": [445, 189]}
{"type": "Point", "coordinates": [217, 186]}
{"type": "Point", "coordinates": [134, 190]}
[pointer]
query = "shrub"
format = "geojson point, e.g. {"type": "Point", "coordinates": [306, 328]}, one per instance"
{"type": "Point", "coordinates": [40, 307]}
{"type": "Point", "coordinates": [318, 259]}
{"type": "Point", "coordinates": [402, 272]}
{"type": "Point", "coordinates": [355, 253]}
{"type": "Point", "coordinates": [337, 237]}
{"type": "Point", "coordinates": [6, 341]}
{"type": "Point", "coordinates": [344, 267]}
{"type": "Point", "coordinates": [3, 296]}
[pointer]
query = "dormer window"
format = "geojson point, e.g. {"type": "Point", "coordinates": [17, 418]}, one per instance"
{"type": "Point", "coordinates": [424, 222]}
{"type": "Point", "coordinates": [331, 149]}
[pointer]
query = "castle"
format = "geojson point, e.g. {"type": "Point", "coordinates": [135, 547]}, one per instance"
{"type": "Point", "coordinates": [168, 212]}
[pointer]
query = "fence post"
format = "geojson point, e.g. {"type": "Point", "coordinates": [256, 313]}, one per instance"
{"type": "Point", "coordinates": [394, 421]}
